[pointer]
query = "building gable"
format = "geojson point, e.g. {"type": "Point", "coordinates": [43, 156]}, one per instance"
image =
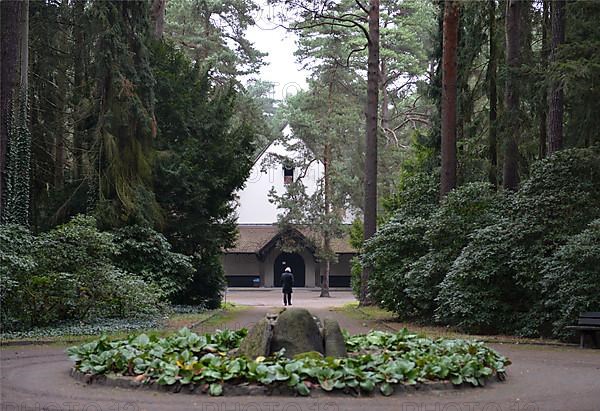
{"type": "Point", "coordinates": [254, 206]}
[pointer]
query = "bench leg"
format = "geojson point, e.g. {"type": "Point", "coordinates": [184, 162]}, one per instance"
{"type": "Point", "coordinates": [581, 339]}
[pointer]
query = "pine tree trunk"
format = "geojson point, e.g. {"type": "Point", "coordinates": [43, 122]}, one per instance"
{"type": "Point", "coordinates": [79, 68]}
{"type": "Point", "coordinates": [513, 62]}
{"type": "Point", "coordinates": [449, 82]}
{"type": "Point", "coordinates": [555, 93]}
{"type": "Point", "coordinates": [327, 207]}
{"type": "Point", "coordinates": [59, 155]}
{"type": "Point", "coordinates": [385, 111]}
{"type": "Point", "coordinates": [370, 211]}
{"type": "Point", "coordinates": [24, 47]}
{"type": "Point", "coordinates": [543, 112]}
{"type": "Point", "coordinates": [493, 97]}
{"type": "Point", "coordinates": [157, 14]}
{"type": "Point", "coordinates": [60, 127]}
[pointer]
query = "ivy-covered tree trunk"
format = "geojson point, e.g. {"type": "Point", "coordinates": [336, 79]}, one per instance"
{"type": "Point", "coordinates": [449, 81]}
{"type": "Point", "coordinates": [370, 211]}
{"type": "Point", "coordinates": [10, 34]}
{"type": "Point", "coordinates": [512, 114]}
{"type": "Point", "coordinates": [556, 94]}
{"type": "Point", "coordinates": [18, 138]}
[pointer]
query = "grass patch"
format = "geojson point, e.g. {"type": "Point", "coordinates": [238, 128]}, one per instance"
{"type": "Point", "coordinates": [120, 329]}
{"type": "Point", "coordinates": [371, 313]}
{"type": "Point", "coordinates": [222, 318]}
{"type": "Point", "coordinates": [387, 319]}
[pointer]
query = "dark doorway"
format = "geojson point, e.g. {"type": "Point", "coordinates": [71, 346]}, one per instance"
{"type": "Point", "coordinates": [295, 262]}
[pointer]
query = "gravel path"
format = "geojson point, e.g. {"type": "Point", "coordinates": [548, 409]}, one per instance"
{"type": "Point", "coordinates": [541, 378]}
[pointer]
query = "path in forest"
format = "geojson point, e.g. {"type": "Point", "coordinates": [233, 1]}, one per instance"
{"type": "Point", "coordinates": [541, 378]}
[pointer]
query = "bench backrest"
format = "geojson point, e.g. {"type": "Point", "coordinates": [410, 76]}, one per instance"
{"type": "Point", "coordinates": [590, 318]}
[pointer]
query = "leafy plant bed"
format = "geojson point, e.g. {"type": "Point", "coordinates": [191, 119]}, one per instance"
{"type": "Point", "coordinates": [378, 361]}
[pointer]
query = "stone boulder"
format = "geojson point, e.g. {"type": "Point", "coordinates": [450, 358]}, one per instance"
{"type": "Point", "coordinates": [297, 331]}
{"type": "Point", "coordinates": [335, 344]}
{"type": "Point", "coordinates": [258, 341]}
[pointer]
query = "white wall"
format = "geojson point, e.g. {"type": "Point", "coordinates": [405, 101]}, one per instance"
{"type": "Point", "coordinates": [253, 204]}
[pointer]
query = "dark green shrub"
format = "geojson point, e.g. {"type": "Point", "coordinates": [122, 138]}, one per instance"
{"type": "Point", "coordinates": [357, 239]}
{"type": "Point", "coordinates": [355, 275]}
{"type": "Point", "coordinates": [147, 253]}
{"type": "Point", "coordinates": [478, 294]}
{"type": "Point", "coordinates": [463, 211]}
{"type": "Point", "coordinates": [390, 252]}
{"type": "Point", "coordinates": [16, 262]}
{"type": "Point", "coordinates": [496, 282]}
{"type": "Point", "coordinates": [207, 285]}
{"type": "Point", "coordinates": [68, 274]}
{"type": "Point", "coordinates": [417, 195]}
{"type": "Point", "coordinates": [571, 281]}
{"type": "Point", "coordinates": [398, 243]}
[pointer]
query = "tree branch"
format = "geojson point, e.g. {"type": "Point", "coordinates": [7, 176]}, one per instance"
{"type": "Point", "coordinates": [300, 177]}
{"type": "Point", "coordinates": [362, 6]}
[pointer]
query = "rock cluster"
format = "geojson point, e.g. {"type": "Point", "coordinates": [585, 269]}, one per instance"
{"type": "Point", "coordinates": [297, 331]}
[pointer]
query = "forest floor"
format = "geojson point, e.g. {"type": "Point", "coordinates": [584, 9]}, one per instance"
{"type": "Point", "coordinates": [542, 377]}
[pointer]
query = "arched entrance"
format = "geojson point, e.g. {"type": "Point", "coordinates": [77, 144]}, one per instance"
{"type": "Point", "coordinates": [295, 262]}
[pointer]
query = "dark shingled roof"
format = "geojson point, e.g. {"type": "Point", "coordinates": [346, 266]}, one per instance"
{"type": "Point", "coordinates": [253, 239]}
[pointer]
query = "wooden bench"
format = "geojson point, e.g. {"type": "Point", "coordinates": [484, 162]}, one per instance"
{"type": "Point", "coordinates": [588, 325]}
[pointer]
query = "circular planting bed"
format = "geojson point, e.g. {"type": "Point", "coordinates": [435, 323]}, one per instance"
{"type": "Point", "coordinates": [211, 363]}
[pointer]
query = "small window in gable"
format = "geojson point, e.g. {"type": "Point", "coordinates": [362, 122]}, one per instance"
{"type": "Point", "coordinates": [288, 174]}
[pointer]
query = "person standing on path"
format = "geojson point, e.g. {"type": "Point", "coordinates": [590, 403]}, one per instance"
{"type": "Point", "coordinates": [287, 282]}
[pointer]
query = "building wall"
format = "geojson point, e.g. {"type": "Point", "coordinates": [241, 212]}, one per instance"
{"type": "Point", "coordinates": [241, 269]}
{"type": "Point", "coordinates": [340, 271]}
{"type": "Point", "coordinates": [343, 266]}
{"type": "Point", "coordinates": [241, 264]}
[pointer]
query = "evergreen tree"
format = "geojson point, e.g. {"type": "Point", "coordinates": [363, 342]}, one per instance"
{"type": "Point", "coordinates": [125, 122]}
{"type": "Point", "coordinates": [204, 154]}
{"type": "Point", "coordinates": [213, 33]}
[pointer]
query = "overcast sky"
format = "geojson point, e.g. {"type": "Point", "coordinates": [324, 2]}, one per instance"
{"type": "Point", "coordinates": [281, 67]}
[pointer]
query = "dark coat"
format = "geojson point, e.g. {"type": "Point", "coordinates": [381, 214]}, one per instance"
{"type": "Point", "coordinates": [287, 282]}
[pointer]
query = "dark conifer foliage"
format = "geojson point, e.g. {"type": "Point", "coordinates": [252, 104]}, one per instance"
{"type": "Point", "coordinates": [114, 121]}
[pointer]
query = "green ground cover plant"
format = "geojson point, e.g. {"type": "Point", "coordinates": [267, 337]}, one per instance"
{"type": "Point", "coordinates": [78, 328]}
{"type": "Point", "coordinates": [377, 360]}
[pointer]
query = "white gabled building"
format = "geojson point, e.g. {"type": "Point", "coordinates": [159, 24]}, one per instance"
{"type": "Point", "coordinates": [256, 259]}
